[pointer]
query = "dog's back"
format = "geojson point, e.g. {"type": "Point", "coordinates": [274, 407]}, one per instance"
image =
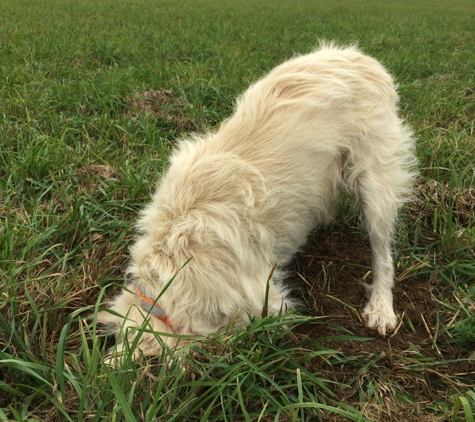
{"type": "Point", "coordinates": [310, 122]}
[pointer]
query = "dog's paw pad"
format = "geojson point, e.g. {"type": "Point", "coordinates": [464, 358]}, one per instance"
{"type": "Point", "coordinates": [383, 321]}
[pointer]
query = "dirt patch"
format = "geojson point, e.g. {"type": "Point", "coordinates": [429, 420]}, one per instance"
{"type": "Point", "coordinates": [331, 269]}
{"type": "Point", "coordinates": [91, 176]}
{"type": "Point", "coordinates": [98, 170]}
{"type": "Point", "coordinates": [166, 106]}
{"type": "Point", "coordinates": [383, 370]}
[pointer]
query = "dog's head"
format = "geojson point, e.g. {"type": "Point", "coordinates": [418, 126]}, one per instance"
{"type": "Point", "coordinates": [140, 326]}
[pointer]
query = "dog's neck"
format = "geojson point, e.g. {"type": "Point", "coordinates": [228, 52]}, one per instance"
{"type": "Point", "coordinates": [152, 308]}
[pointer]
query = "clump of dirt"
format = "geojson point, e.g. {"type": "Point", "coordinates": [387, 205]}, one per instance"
{"type": "Point", "coordinates": [165, 105]}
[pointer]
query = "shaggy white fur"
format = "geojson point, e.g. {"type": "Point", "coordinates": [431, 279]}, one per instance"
{"type": "Point", "coordinates": [244, 198]}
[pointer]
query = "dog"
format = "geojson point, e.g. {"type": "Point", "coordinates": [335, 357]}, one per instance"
{"type": "Point", "coordinates": [236, 204]}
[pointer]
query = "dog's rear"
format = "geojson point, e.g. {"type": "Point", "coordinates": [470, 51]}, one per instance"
{"type": "Point", "coordinates": [242, 199]}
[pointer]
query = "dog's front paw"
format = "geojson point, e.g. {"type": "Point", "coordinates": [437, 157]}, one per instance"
{"type": "Point", "coordinates": [380, 317]}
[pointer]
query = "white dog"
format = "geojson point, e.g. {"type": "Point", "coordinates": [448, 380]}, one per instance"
{"type": "Point", "coordinates": [236, 202]}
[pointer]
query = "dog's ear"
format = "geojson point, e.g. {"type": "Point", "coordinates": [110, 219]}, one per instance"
{"type": "Point", "coordinates": [149, 259]}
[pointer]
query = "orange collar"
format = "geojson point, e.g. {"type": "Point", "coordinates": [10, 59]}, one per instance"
{"type": "Point", "coordinates": [152, 307]}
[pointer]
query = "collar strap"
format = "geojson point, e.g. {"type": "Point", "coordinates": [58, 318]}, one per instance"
{"type": "Point", "coordinates": [152, 308]}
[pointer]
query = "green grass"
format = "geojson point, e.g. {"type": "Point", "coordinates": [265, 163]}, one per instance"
{"type": "Point", "coordinates": [77, 162]}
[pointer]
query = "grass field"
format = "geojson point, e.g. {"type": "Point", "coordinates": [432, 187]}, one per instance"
{"type": "Point", "coordinates": [93, 95]}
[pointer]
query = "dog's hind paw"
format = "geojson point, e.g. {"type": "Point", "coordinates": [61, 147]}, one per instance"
{"type": "Point", "coordinates": [382, 319]}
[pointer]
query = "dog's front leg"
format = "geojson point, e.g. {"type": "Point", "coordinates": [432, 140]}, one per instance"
{"type": "Point", "coordinates": [379, 313]}
{"type": "Point", "coordinates": [380, 205]}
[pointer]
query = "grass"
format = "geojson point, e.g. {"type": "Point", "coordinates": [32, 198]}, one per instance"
{"type": "Point", "coordinates": [80, 154]}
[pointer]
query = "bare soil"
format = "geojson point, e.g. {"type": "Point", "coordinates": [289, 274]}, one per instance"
{"type": "Point", "coordinates": [329, 272]}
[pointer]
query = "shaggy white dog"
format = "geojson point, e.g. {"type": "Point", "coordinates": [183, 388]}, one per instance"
{"type": "Point", "coordinates": [238, 201]}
